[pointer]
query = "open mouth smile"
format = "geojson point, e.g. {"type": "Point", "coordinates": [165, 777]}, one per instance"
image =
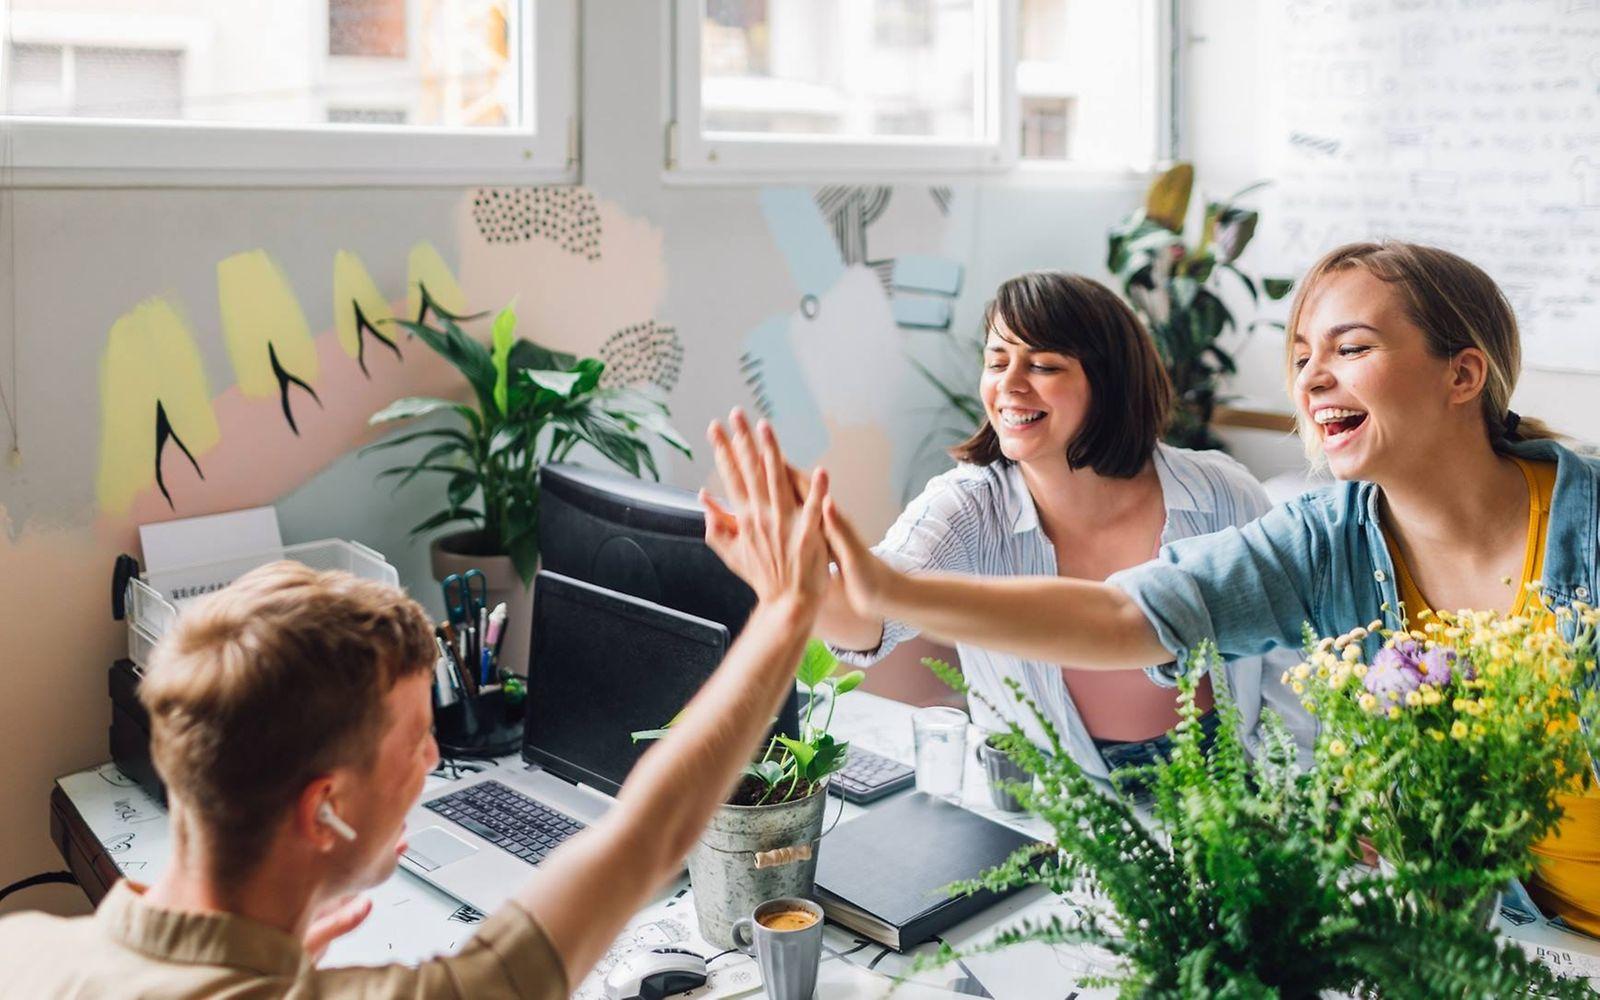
{"type": "Point", "coordinates": [1338, 423]}
{"type": "Point", "coordinates": [1013, 417]}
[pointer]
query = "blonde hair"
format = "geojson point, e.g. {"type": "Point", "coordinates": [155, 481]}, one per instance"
{"type": "Point", "coordinates": [269, 683]}
{"type": "Point", "coordinates": [1455, 305]}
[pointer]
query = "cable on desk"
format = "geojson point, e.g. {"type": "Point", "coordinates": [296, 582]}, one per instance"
{"type": "Point", "coordinates": [45, 878]}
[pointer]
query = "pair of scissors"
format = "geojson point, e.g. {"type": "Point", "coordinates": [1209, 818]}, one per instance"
{"type": "Point", "coordinates": [465, 595]}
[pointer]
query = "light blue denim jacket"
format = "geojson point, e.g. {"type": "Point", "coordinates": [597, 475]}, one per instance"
{"type": "Point", "coordinates": [1321, 559]}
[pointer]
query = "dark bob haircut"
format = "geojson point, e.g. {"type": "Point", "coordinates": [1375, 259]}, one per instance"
{"type": "Point", "coordinates": [1130, 395]}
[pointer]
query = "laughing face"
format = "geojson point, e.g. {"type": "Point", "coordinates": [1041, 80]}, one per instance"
{"type": "Point", "coordinates": [1035, 400]}
{"type": "Point", "coordinates": [1365, 384]}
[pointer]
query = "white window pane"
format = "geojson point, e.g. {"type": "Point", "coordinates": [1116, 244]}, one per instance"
{"type": "Point", "coordinates": [126, 83]}
{"type": "Point", "coordinates": [449, 63]}
{"type": "Point", "coordinates": [844, 69]}
{"type": "Point", "coordinates": [1085, 81]}
{"type": "Point", "coordinates": [36, 84]}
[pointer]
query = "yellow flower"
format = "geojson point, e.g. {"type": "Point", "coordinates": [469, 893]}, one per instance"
{"type": "Point", "coordinates": [1431, 695]}
{"type": "Point", "coordinates": [1337, 748]}
{"type": "Point", "coordinates": [1351, 654]}
{"type": "Point", "coordinates": [1297, 687]}
{"type": "Point", "coordinates": [1437, 734]}
{"type": "Point", "coordinates": [1413, 699]}
{"type": "Point", "coordinates": [1458, 730]}
{"type": "Point", "coordinates": [1284, 679]}
{"type": "Point", "coordinates": [1394, 713]}
{"type": "Point", "coordinates": [1359, 669]}
{"type": "Point", "coordinates": [1368, 701]}
{"type": "Point", "coordinates": [1301, 671]}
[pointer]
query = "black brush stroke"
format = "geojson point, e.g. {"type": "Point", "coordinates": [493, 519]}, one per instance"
{"type": "Point", "coordinates": [363, 327]}
{"type": "Point", "coordinates": [165, 433]}
{"type": "Point", "coordinates": [284, 381]}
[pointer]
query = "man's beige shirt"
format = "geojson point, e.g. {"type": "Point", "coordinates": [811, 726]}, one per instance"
{"type": "Point", "coordinates": [129, 948]}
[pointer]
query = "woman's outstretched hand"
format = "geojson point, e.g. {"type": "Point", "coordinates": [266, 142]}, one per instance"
{"type": "Point", "coordinates": [867, 579]}
{"type": "Point", "coordinates": [772, 539]}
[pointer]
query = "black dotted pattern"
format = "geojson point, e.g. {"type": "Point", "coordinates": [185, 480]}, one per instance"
{"type": "Point", "coordinates": [565, 215]}
{"type": "Point", "coordinates": [643, 353]}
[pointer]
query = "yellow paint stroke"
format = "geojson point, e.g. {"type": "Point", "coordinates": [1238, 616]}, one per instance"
{"type": "Point", "coordinates": [425, 266]}
{"type": "Point", "coordinates": [352, 283]}
{"type": "Point", "coordinates": [259, 307]}
{"type": "Point", "coordinates": [150, 356]}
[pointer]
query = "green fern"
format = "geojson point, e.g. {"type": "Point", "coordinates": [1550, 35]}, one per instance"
{"type": "Point", "coordinates": [1243, 886]}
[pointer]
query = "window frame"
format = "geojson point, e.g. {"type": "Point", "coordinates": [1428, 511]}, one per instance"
{"type": "Point", "coordinates": [93, 152]}
{"type": "Point", "coordinates": [691, 158]}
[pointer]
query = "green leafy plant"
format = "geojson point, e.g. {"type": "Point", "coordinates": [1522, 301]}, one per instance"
{"type": "Point", "coordinates": [1174, 287]}
{"type": "Point", "coordinates": [790, 768]}
{"type": "Point", "coordinates": [532, 405]}
{"type": "Point", "coordinates": [1243, 884]}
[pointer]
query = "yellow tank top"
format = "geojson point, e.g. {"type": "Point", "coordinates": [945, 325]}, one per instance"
{"type": "Point", "coordinates": [1567, 882]}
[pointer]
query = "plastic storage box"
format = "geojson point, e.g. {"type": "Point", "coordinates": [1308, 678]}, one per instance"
{"type": "Point", "coordinates": [151, 612]}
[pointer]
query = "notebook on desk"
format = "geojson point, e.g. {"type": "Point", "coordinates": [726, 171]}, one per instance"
{"type": "Point", "coordinates": [884, 875]}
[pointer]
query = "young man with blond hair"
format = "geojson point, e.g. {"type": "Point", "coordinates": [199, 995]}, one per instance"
{"type": "Point", "coordinates": [291, 722]}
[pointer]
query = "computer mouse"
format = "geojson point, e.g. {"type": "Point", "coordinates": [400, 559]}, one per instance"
{"type": "Point", "coordinates": [656, 973]}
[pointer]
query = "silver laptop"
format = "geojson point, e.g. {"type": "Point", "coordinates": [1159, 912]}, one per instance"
{"type": "Point", "coordinates": [603, 665]}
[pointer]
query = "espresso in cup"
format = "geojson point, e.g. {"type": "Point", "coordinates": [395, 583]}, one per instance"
{"type": "Point", "coordinates": [786, 920]}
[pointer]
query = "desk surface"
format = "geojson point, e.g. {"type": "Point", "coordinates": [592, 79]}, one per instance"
{"type": "Point", "coordinates": [411, 920]}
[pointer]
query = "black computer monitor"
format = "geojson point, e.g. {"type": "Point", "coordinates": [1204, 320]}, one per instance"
{"type": "Point", "coordinates": [636, 537]}
{"type": "Point", "coordinates": [606, 665]}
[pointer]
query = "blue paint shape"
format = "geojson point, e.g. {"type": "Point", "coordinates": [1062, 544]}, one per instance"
{"type": "Point", "coordinates": [804, 238]}
{"type": "Point", "coordinates": [927, 274]}
{"type": "Point", "coordinates": [921, 311]}
{"type": "Point", "coordinates": [795, 413]}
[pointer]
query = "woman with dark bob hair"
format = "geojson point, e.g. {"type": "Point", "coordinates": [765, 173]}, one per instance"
{"type": "Point", "coordinates": [1066, 476]}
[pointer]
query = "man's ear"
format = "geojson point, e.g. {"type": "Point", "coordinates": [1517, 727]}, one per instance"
{"type": "Point", "coordinates": [1469, 373]}
{"type": "Point", "coordinates": [307, 826]}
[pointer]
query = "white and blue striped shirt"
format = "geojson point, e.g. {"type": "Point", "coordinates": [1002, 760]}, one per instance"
{"type": "Point", "coordinates": [982, 520]}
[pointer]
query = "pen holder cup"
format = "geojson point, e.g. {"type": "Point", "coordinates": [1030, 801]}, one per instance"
{"type": "Point", "coordinates": [477, 727]}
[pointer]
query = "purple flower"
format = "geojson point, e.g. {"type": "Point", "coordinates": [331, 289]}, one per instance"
{"type": "Point", "coordinates": [1394, 672]}
{"type": "Point", "coordinates": [1438, 666]}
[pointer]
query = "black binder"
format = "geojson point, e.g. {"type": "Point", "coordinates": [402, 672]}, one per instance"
{"type": "Point", "coordinates": [883, 875]}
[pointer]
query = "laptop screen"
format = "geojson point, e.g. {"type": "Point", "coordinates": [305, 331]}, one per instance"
{"type": "Point", "coordinates": [604, 665]}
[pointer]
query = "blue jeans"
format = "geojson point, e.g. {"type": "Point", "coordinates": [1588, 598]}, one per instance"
{"type": "Point", "coordinates": [1143, 753]}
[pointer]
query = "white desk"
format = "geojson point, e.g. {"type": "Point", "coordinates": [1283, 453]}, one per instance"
{"type": "Point", "coordinates": [411, 920]}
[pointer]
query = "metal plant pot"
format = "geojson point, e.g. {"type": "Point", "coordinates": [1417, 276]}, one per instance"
{"type": "Point", "coordinates": [750, 854]}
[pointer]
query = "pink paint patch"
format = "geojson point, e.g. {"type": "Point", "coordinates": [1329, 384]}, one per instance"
{"type": "Point", "coordinates": [259, 459]}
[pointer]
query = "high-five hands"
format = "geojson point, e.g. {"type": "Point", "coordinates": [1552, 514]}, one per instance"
{"type": "Point", "coordinates": [738, 450]}
{"type": "Point", "coordinates": [773, 539]}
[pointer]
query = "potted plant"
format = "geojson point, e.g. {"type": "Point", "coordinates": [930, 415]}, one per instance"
{"type": "Point", "coordinates": [1244, 885]}
{"type": "Point", "coordinates": [530, 405]}
{"type": "Point", "coordinates": [1463, 732]}
{"type": "Point", "coordinates": [763, 842]}
{"type": "Point", "coordinates": [1174, 287]}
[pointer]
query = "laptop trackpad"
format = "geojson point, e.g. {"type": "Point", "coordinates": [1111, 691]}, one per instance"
{"type": "Point", "coordinates": [433, 847]}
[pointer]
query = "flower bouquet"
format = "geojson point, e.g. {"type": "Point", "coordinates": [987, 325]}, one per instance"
{"type": "Point", "coordinates": [1460, 736]}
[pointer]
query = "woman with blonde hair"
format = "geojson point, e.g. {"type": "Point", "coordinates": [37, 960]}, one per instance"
{"type": "Point", "coordinates": [1402, 360]}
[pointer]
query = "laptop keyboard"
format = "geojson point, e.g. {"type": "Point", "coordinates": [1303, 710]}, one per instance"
{"type": "Point", "coordinates": [506, 818]}
{"type": "Point", "coordinates": [867, 776]}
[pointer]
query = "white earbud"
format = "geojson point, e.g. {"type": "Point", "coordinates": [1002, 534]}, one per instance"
{"type": "Point", "coordinates": [331, 820]}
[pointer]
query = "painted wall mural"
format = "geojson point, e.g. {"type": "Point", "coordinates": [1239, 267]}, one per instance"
{"type": "Point", "coordinates": [298, 401]}
{"type": "Point", "coordinates": [832, 373]}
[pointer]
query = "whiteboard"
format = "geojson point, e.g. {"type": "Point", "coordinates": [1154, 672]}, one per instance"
{"type": "Point", "coordinates": [1469, 124]}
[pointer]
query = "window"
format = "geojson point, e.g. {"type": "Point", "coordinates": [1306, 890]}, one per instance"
{"type": "Point", "coordinates": [869, 86]}
{"type": "Point", "coordinates": [338, 90]}
{"type": "Point", "coordinates": [792, 84]}
{"type": "Point", "coordinates": [1088, 83]}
